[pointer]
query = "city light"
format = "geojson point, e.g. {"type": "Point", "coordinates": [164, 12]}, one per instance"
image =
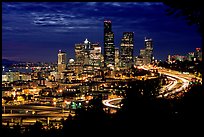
{"type": "Point", "coordinates": [91, 83]}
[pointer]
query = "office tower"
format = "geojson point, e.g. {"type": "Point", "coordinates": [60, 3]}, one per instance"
{"type": "Point", "coordinates": [79, 53]}
{"type": "Point", "coordinates": [95, 56]}
{"type": "Point", "coordinates": [109, 47]}
{"type": "Point", "coordinates": [148, 50]}
{"type": "Point", "coordinates": [87, 49]}
{"type": "Point", "coordinates": [88, 57]}
{"type": "Point", "coordinates": [141, 59]}
{"type": "Point", "coordinates": [126, 53]}
{"type": "Point", "coordinates": [117, 57]}
{"type": "Point", "coordinates": [79, 56]}
{"type": "Point", "coordinates": [61, 61]}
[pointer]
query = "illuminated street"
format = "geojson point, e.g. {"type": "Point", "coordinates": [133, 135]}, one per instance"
{"type": "Point", "coordinates": [86, 67]}
{"type": "Point", "coordinates": [30, 113]}
{"type": "Point", "coordinates": [169, 91]}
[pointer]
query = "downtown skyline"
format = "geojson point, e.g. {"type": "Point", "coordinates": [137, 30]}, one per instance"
{"type": "Point", "coordinates": [35, 32]}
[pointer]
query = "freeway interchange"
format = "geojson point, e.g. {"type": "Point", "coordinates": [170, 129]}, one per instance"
{"type": "Point", "coordinates": [178, 84]}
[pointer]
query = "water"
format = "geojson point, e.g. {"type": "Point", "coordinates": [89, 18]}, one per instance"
{"type": "Point", "coordinates": [21, 70]}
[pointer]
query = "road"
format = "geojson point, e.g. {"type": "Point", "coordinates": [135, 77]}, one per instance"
{"type": "Point", "coordinates": [174, 87]}
{"type": "Point", "coordinates": [110, 102]}
{"type": "Point", "coordinates": [36, 112]}
{"type": "Point", "coordinates": [176, 76]}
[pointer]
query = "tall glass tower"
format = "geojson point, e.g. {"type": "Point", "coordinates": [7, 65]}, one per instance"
{"type": "Point", "coordinates": [148, 50]}
{"type": "Point", "coordinates": [109, 47]}
{"type": "Point", "coordinates": [61, 61]}
{"type": "Point", "coordinates": [126, 55]}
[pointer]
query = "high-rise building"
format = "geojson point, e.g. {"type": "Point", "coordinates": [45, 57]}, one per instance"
{"type": "Point", "coordinates": [146, 55]}
{"type": "Point", "coordinates": [148, 50]}
{"type": "Point", "coordinates": [117, 57]}
{"type": "Point", "coordinates": [109, 47]}
{"type": "Point", "coordinates": [79, 53]}
{"type": "Point", "coordinates": [88, 57]}
{"type": "Point", "coordinates": [141, 59]}
{"type": "Point", "coordinates": [95, 55]}
{"type": "Point", "coordinates": [87, 50]}
{"type": "Point", "coordinates": [126, 53]}
{"type": "Point", "coordinates": [61, 61]}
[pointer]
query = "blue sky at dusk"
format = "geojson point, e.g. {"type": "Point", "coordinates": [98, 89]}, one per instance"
{"type": "Point", "coordinates": [35, 31]}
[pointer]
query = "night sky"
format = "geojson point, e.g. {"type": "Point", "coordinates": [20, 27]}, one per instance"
{"type": "Point", "coordinates": [36, 31]}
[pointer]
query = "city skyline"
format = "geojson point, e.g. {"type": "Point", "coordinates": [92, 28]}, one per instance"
{"type": "Point", "coordinates": [47, 27]}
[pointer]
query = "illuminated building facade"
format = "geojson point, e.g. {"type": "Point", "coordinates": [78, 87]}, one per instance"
{"type": "Point", "coordinates": [139, 60]}
{"type": "Point", "coordinates": [61, 63]}
{"type": "Point", "coordinates": [79, 53]}
{"type": "Point", "coordinates": [95, 56]}
{"type": "Point", "coordinates": [148, 50]}
{"type": "Point", "coordinates": [88, 57]}
{"type": "Point", "coordinates": [146, 55]}
{"type": "Point", "coordinates": [11, 76]}
{"type": "Point", "coordinates": [109, 47]}
{"type": "Point", "coordinates": [117, 58]}
{"type": "Point", "coordinates": [126, 53]}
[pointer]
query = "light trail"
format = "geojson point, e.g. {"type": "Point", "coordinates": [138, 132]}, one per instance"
{"type": "Point", "coordinates": [172, 84]}
{"type": "Point", "coordinates": [108, 104]}
{"type": "Point", "coordinates": [169, 87]}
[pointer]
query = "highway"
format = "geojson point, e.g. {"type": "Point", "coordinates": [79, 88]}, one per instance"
{"type": "Point", "coordinates": [35, 115]}
{"type": "Point", "coordinates": [32, 107]}
{"type": "Point", "coordinates": [34, 112]}
{"type": "Point", "coordinates": [176, 86]}
{"type": "Point", "coordinates": [166, 91]}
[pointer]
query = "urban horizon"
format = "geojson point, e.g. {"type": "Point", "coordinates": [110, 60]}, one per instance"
{"type": "Point", "coordinates": [17, 49]}
{"type": "Point", "coordinates": [104, 72]}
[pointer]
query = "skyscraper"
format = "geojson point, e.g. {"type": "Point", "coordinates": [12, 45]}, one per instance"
{"type": "Point", "coordinates": [79, 53]}
{"type": "Point", "coordinates": [117, 57]}
{"type": "Point", "coordinates": [109, 47]}
{"type": "Point", "coordinates": [95, 55]}
{"type": "Point", "coordinates": [148, 50]}
{"type": "Point", "coordinates": [126, 54]}
{"type": "Point", "coordinates": [88, 56]}
{"type": "Point", "coordinates": [79, 57]}
{"type": "Point", "coordinates": [61, 62]}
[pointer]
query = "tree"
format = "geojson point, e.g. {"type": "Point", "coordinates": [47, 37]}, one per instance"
{"type": "Point", "coordinates": [191, 10]}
